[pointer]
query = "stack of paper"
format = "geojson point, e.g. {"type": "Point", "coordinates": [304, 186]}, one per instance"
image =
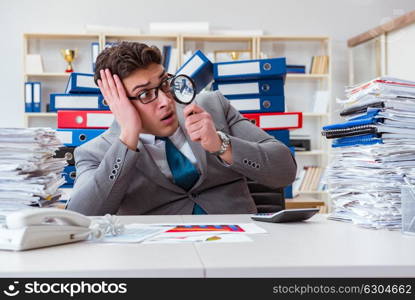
{"type": "Point", "coordinates": [29, 175]}
{"type": "Point", "coordinates": [372, 151]}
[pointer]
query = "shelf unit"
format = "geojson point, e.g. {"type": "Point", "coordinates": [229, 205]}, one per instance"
{"type": "Point", "coordinates": [300, 88]}
{"type": "Point", "coordinates": [299, 91]}
{"type": "Point", "coordinates": [53, 78]}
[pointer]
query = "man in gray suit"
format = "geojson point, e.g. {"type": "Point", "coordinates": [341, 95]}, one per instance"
{"type": "Point", "coordinates": [159, 157]}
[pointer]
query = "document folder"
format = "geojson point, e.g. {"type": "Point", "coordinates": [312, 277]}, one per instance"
{"type": "Point", "coordinates": [259, 104]}
{"type": "Point", "coordinates": [274, 121]}
{"type": "Point", "coordinates": [84, 119]}
{"type": "Point", "coordinates": [28, 95]}
{"type": "Point", "coordinates": [67, 153]}
{"type": "Point", "coordinates": [77, 102]}
{"type": "Point", "coordinates": [69, 173]}
{"type": "Point", "coordinates": [250, 69]}
{"type": "Point", "coordinates": [199, 68]}
{"type": "Point", "coordinates": [281, 135]}
{"type": "Point", "coordinates": [238, 89]}
{"type": "Point", "coordinates": [77, 137]}
{"type": "Point", "coordinates": [37, 97]}
{"type": "Point", "coordinates": [81, 83]}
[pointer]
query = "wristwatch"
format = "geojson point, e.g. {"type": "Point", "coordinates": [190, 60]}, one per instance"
{"type": "Point", "coordinates": [225, 143]}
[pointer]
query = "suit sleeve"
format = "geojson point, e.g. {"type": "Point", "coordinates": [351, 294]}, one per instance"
{"type": "Point", "coordinates": [101, 183]}
{"type": "Point", "coordinates": [256, 154]}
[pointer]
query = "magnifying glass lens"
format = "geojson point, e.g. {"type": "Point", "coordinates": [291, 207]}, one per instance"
{"type": "Point", "coordinates": [183, 89]}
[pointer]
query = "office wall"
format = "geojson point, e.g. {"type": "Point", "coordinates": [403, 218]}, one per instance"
{"type": "Point", "coordinates": [340, 19]}
{"type": "Point", "coordinates": [400, 49]}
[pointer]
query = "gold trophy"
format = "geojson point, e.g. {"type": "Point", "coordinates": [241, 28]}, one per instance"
{"type": "Point", "coordinates": [69, 55]}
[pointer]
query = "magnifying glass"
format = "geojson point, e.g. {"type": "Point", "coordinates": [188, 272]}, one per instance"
{"type": "Point", "coordinates": [183, 89]}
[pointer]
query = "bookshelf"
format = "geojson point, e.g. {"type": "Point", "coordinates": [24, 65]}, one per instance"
{"type": "Point", "coordinates": [53, 77]}
{"type": "Point", "coordinates": [300, 88]}
{"type": "Point", "coordinates": [300, 94]}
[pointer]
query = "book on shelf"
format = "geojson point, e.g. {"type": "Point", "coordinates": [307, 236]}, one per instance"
{"type": "Point", "coordinates": [309, 180]}
{"type": "Point", "coordinates": [319, 64]}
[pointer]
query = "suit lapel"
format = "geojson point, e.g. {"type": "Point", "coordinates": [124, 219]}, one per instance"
{"type": "Point", "coordinates": [149, 168]}
{"type": "Point", "coordinates": [145, 164]}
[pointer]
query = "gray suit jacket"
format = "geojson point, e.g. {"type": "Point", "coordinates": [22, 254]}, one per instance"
{"type": "Point", "coordinates": [114, 179]}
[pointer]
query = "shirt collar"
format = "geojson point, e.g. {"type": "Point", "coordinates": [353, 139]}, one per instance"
{"type": "Point", "coordinates": [178, 137]}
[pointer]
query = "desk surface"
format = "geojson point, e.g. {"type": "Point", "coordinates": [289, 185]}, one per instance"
{"type": "Point", "coordinates": [316, 248]}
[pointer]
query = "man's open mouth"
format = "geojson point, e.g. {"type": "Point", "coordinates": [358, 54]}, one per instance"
{"type": "Point", "coordinates": [168, 116]}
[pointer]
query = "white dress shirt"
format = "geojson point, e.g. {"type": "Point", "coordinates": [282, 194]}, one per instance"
{"type": "Point", "coordinates": [156, 148]}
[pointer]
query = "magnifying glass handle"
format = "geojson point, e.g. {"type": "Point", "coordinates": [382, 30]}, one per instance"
{"type": "Point", "coordinates": [192, 113]}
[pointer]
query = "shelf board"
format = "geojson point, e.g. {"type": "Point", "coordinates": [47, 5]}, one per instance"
{"type": "Point", "coordinates": [293, 38]}
{"type": "Point", "coordinates": [310, 114]}
{"type": "Point", "coordinates": [313, 192]}
{"type": "Point", "coordinates": [61, 36]}
{"type": "Point", "coordinates": [47, 74]}
{"type": "Point", "coordinates": [141, 37]}
{"type": "Point", "coordinates": [221, 38]}
{"type": "Point", "coordinates": [309, 153]}
{"type": "Point", "coordinates": [41, 114]}
{"type": "Point", "coordinates": [307, 76]}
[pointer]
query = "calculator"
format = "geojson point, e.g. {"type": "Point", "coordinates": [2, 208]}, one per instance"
{"type": "Point", "coordinates": [287, 215]}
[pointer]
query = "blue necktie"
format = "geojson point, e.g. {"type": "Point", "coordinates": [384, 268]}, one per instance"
{"type": "Point", "coordinates": [184, 172]}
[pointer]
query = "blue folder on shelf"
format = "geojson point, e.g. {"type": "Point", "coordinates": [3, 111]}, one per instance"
{"type": "Point", "coordinates": [281, 135]}
{"type": "Point", "coordinates": [69, 173]}
{"type": "Point", "coordinates": [37, 97]}
{"type": "Point", "coordinates": [77, 102]}
{"type": "Point", "coordinates": [166, 56]}
{"type": "Point", "coordinates": [199, 68]}
{"type": "Point", "coordinates": [94, 54]}
{"type": "Point", "coordinates": [77, 137]}
{"type": "Point", "coordinates": [250, 69]}
{"type": "Point", "coordinates": [238, 89]}
{"type": "Point", "coordinates": [295, 69]}
{"type": "Point", "coordinates": [81, 83]}
{"type": "Point", "coordinates": [259, 104]}
{"type": "Point", "coordinates": [28, 97]}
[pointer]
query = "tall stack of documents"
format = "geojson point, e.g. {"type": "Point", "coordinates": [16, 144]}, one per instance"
{"type": "Point", "coordinates": [372, 151]}
{"type": "Point", "coordinates": [29, 175]}
{"type": "Point", "coordinates": [82, 116]}
{"type": "Point", "coordinates": [256, 89]}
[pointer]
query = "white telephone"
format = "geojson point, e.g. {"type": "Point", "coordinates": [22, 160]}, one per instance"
{"type": "Point", "coordinates": [35, 228]}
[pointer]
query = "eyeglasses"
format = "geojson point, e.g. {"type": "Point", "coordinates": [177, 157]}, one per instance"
{"type": "Point", "coordinates": [150, 95]}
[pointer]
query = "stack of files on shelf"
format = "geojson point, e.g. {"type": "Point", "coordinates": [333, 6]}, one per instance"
{"type": "Point", "coordinates": [29, 174]}
{"type": "Point", "coordinates": [82, 116]}
{"type": "Point", "coordinates": [33, 96]}
{"type": "Point", "coordinates": [256, 89]}
{"type": "Point", "coordinates": [372, 151]}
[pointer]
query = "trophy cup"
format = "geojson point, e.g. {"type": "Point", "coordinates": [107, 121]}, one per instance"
{"type": "Point", "coordinates": [69, 55]}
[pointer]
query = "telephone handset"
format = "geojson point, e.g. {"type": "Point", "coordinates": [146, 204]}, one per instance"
{"type": "Point", "coordinates": [35, 228]}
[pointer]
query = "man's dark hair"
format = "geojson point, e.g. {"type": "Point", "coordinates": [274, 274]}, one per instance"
{"type": "Point", "coordinates": [126, 57]}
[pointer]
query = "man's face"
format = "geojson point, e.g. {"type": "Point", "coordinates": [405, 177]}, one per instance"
{"type": "Point", "coordinates": [157, 117]}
